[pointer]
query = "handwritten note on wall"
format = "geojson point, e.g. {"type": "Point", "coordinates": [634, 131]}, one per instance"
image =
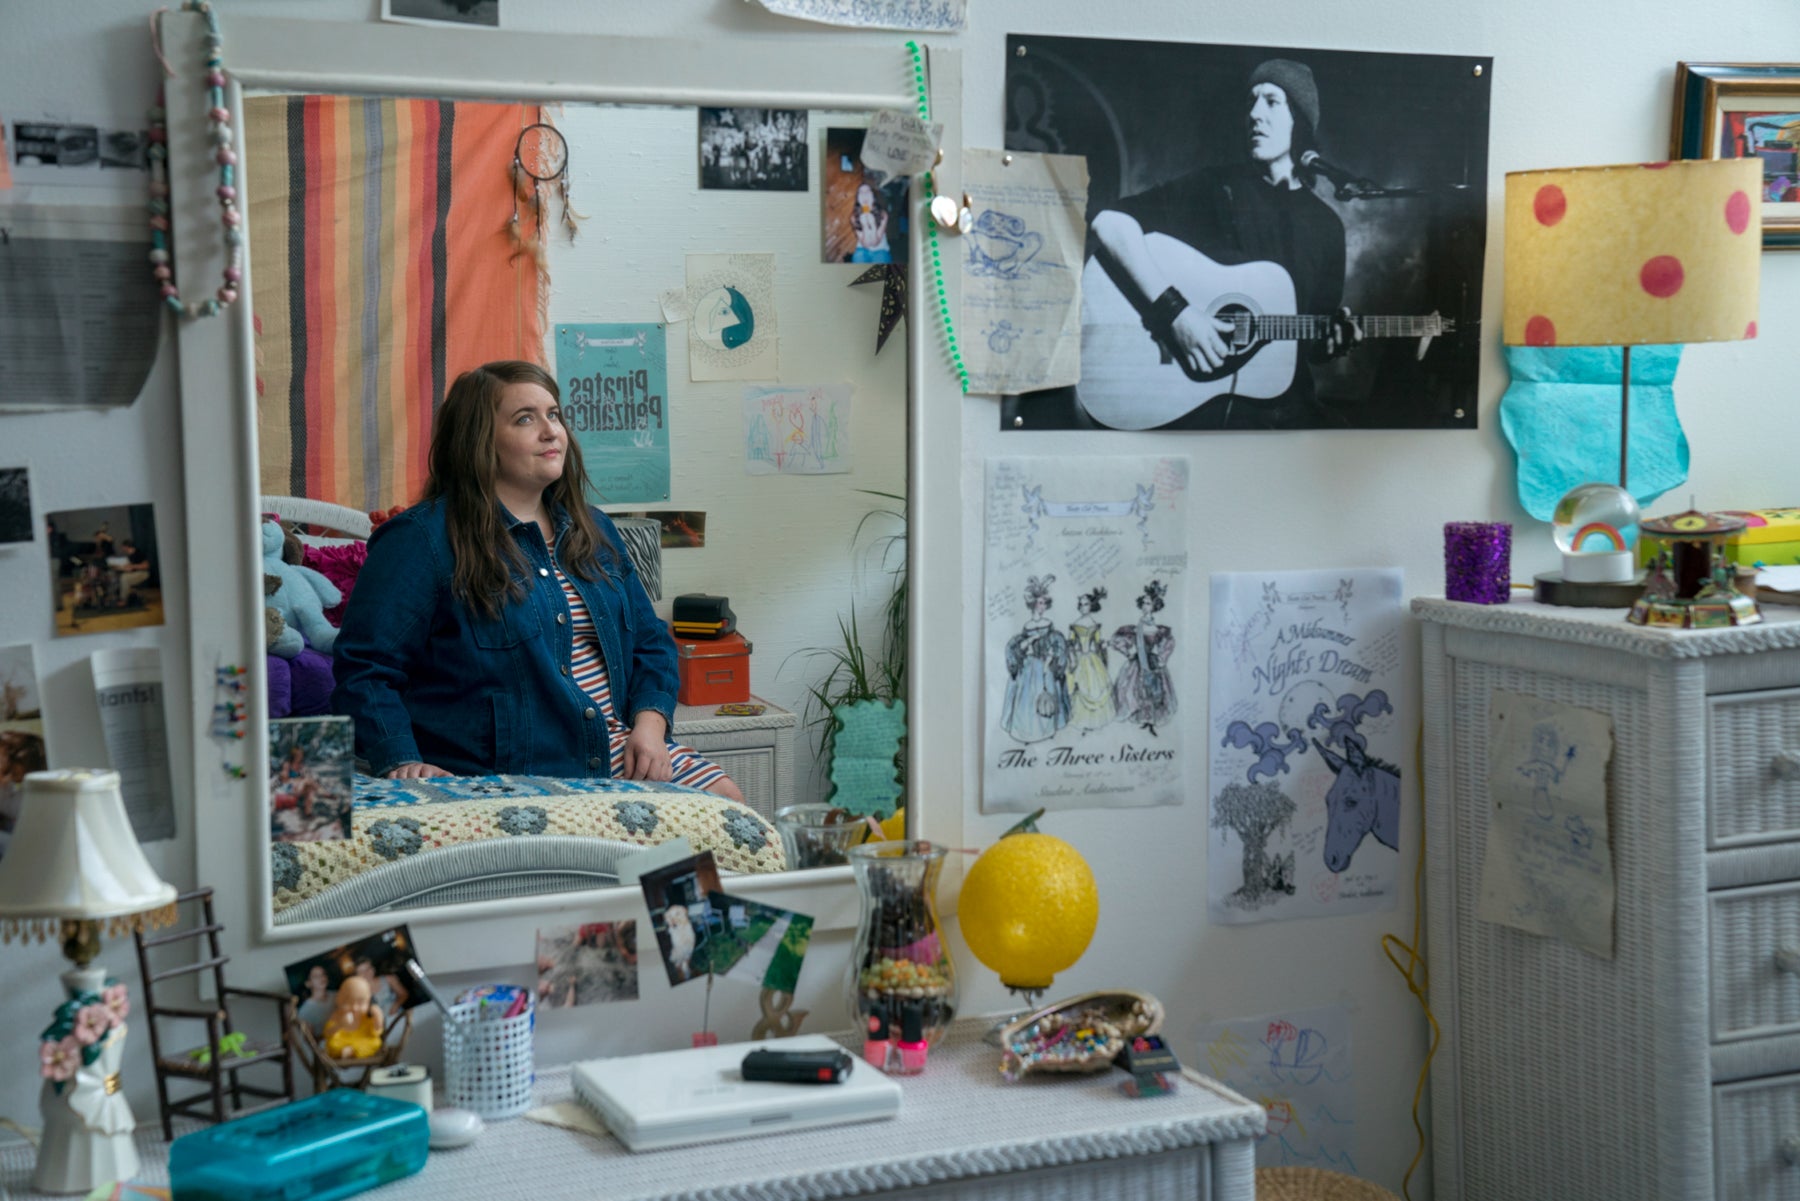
{"type": "Point", "coordinates": [1021, 270]}
{"type": "Point", "coordinates": [1548, 868]}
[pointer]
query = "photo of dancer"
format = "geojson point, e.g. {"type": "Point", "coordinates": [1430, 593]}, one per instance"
{"type": "Point", "coordinates": [762, 149]}
{"type": "Point", "coordinates": [865, 212]}
{"type": "Point", "coordinates": [1277, 238]}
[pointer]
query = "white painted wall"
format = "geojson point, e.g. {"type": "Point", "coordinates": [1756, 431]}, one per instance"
{"type": "Point", "coordinates": [1573, 84]}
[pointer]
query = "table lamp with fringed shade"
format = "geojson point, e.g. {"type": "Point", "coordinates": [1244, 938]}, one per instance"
{"type": "Point", "coordinates": [72, 867]}
{"type": "Point", "coordinates": [1634, 255]}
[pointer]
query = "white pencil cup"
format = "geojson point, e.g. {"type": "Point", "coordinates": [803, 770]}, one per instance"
{"type": "Point", "coordinates": [487, 1060]}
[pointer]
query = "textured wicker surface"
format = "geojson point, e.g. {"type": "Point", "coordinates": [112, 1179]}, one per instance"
{"type": "Point", "coordinates": [1750, 994]}
{"type": "Point", "coordinates": [1316, 1184]}
{"type": "Point", "coordinates": [1755, 1119]}
{"type": "Point", "coordinates": [959, 1122]}
{"type": "Point", "coordinates": [1749, 802]}
{"type": "Point", "coordinates": [1780, 629]}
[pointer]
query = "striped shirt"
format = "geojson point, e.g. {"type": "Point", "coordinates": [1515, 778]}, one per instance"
{"type": "Point", "coordinates": [587, 667]}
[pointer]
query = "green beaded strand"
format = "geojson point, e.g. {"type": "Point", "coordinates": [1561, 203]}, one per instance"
{"type": "Point", "coordinates": [937, 264]}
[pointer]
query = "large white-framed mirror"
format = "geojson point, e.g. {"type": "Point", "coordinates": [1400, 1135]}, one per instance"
{"type": "Point", "coordinates": [218, 374]}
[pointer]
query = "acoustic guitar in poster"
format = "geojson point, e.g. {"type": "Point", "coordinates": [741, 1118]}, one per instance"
{"type": "Point", "coordinates": [1129, 381]}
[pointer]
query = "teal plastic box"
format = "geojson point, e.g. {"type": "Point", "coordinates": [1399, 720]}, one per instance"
{"type": "Point", "coordinates": [332, 1145]}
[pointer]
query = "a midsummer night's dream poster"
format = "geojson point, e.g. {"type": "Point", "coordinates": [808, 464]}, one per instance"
{"type": "Point", "coordinates": [1085, 599]}
{"type": "Point", "coordinates": [1305, 744]}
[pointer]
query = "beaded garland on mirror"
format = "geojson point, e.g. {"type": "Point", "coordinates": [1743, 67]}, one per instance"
{"type": "Point", "coordinates": [162, 260]}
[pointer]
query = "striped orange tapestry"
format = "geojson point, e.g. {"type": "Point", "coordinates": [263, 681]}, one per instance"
{"type": "Point", "coordinates": [381, 269]}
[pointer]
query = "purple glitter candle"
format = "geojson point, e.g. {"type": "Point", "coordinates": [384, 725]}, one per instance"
{"type": "Point", "coordinates": [1478, 561]}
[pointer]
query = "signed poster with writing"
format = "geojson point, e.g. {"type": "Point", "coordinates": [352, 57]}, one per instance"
{"type": "Point", "coordinates": [615, 402]}
{"type": "Point", "coordinates": [1084, 678]}
{"type": "Point", "coordinates": [1305, 744]}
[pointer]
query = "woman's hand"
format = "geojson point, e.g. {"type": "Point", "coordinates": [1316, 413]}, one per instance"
{"type": "Point", "coordinates": [416, 771]}
{"type": "Point", "coordinates": [647, 748]}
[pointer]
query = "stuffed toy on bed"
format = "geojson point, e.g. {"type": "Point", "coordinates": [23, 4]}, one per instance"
{"type": "Point", "coordinates": [304, 594]}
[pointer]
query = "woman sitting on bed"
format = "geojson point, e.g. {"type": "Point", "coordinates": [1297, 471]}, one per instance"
{"type": "Point", "coordinates": [498, 626]}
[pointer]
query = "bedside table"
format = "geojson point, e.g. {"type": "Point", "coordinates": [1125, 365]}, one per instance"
{"type": "Point", "coordinates": [757, 752]}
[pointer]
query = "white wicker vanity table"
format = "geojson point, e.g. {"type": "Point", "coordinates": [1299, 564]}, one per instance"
{"type": "Point", "coordinates": [1673, 1069]}
{"type": "Point", "coordinates": [962, 1132]}
{"type": "Point", "coordinates": [756, 752]}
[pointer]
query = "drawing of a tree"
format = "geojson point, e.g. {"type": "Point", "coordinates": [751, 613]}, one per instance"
{"type": "Point", "coordinates": [1255, 812]}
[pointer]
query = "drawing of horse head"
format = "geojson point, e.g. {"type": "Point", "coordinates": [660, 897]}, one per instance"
{"type": "Point", "coordinates": [1364, 799]}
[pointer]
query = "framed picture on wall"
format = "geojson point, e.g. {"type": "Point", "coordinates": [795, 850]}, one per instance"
{"type": "Point", "coordinates": [1746, 110]}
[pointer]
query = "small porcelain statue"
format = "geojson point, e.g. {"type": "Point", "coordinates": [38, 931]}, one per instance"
{"type": "Point", "coordinates": [353, 1031]}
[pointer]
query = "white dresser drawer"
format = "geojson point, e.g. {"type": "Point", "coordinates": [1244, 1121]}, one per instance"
{"type": "Point", "coordinates": [1756, 1140]}
{"type": "Point", "coordinates": [1753, 768]}
{"type": "Point", "coordinates": [1754, 939]}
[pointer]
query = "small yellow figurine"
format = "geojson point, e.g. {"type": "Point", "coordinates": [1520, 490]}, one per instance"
{"type": "Point", "coordinates": [353, 1031]}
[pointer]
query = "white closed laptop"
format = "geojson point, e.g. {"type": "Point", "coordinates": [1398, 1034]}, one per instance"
{"type": "Point", "coordinates": [699, 1095]}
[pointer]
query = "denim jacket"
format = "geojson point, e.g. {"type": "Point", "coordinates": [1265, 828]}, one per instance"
{"type": "Point", "coordinates": [427, 678]}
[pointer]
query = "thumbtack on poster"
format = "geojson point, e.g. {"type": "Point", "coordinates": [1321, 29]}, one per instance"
{"type": "Point", "coordinates": [901, 144]}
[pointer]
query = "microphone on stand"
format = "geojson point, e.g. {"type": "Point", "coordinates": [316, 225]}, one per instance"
{"type": "Point", "coordinates": [1349, 185]}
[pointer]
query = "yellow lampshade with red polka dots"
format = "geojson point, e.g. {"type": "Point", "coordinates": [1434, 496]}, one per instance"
{"type": "Point", "coordinates": [1630, 255]}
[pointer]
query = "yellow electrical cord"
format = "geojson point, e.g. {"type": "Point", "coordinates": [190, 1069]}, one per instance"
{"type": "Point", "coordinates": [1414, 971]}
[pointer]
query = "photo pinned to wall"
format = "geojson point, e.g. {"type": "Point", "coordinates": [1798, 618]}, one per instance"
{"type": "Point", "coordinates": [865, 210]}
{"type": "Point", "coordinates": [682, 529]}
{"type": "Point", "coordinates": [21, 731]}
{"type": "Point", "coordinates": [615, 393]}
{"type": "Point", "coordinates": [589, 964]}
{"type": "Point", "coordinates": [797, 430]}
{"type": "Point", "coordinates": [380, 959]}
{"type": "Point", "coordinates": [759, 944]}
{"type": "Point", "coordinates": [733, 331]}
{"type": "Point", "coordinates": [1296, 1065]}
{"type": "Point", "coordinates": [16, 525]}
{"type": "Point", "coordinates": [681, 916]}
{"type": "Point", "coordinates": [1304, 782]}
{"type": "Point", "coordinates": [104, 573]}
{"type": "Point", "coordinates": [76, 153]}
{"type": "Point", "coordinates": [1084, 685]}
{"type": "Point", "coordinates": [753, 149]}
{"type": "Point", "coordinates": [463, 14]}
{"type": "Point", "coordinates": [1746, 110]}
{"type": "Point", "coordinates": [1262, 182]}
{"type": "Point", "coordinates": [312, 766]}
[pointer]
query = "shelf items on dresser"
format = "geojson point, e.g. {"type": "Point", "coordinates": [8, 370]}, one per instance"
{"type": "Point", "coordinates": [757, 752]}
{"type": "Point", "coordinates": [1673, 1069]}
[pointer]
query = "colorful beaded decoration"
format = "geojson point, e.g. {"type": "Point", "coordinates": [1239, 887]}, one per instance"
{"type": "Point", "coordinates": [162, 261]}
{"type": "Point", "coordinates": [937, 263]}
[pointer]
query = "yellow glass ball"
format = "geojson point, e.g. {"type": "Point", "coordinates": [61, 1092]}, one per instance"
{"type": "Point", "coordinates": [1028, 909]}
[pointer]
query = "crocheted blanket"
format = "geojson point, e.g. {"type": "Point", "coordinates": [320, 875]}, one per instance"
{"type": "Point", "coordinates": [392, 819]}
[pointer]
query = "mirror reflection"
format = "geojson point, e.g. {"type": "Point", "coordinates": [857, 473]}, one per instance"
{"type": "Point", "coordinates": [529, 391]}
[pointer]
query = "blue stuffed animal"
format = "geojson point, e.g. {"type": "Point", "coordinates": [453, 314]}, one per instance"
{"type": "Point", "coordinates": [304, 594]}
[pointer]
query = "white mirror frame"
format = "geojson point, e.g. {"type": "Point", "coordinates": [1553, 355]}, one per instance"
{"type": "Point", "coordinates": [217, 381]}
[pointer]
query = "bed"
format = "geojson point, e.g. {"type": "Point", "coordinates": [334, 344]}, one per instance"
{"type": "Point", "coordinates": [471, 838]}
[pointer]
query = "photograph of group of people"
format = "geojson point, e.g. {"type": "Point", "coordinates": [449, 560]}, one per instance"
{"type": "Point", "coordinates": [104, 571]}
{"type": "Point", "coordinates": [311, 778]}
{"type": "Point", "coordinates": [756, 148]}
{"type": "Point", "coordinates": [379, 961]}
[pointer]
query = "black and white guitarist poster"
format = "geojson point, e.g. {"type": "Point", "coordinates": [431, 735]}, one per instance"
{"type": "Point", "coordinates": [1277, 238]}
{"type": "Point", "coordinates": [1304, 743]}
{"type": "Point", "coordinates": [1084, 686]}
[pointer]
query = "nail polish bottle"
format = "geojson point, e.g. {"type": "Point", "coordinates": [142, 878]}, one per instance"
{"type": "Point", "coordinates": [912, 1046]}
{"type": "Point", "coordinates": [876, 1044]}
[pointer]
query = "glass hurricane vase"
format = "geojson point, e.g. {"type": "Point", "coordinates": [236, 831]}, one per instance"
{"type": "Point", "coordinates": [900, 968]}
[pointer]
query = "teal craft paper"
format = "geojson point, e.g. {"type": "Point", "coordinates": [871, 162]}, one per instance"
{"type": "Point", "coordinates": [615, 403]}
{"type": "Point", "coordinates": [862, 757]}
{"type": "Point", "coordinates": [1561, 415]}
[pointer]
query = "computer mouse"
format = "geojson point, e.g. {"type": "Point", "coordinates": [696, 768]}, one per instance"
{"type": "Point", "coordinates": [454, 1128]}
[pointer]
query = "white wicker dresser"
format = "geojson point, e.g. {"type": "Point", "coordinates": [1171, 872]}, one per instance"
{"type": "Point", "coordinates": [756, 752]}
{"type": "Point", "coordinates": [1673, 1070]}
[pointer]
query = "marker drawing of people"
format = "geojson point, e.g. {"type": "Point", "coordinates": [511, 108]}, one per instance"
{"type": "Point", "coordinates": [1090, 683]}
{"type": "Point", "coordinates": [1143, 693]}
{"type": "Point", "coordinates": [1037, 664]}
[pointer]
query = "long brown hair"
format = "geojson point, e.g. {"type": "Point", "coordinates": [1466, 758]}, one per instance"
{"type": "Point", "coordinates": [463, 466]}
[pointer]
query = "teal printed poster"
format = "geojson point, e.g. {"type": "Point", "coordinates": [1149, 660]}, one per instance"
{"type": "Point", "coordinates": [615, 402]}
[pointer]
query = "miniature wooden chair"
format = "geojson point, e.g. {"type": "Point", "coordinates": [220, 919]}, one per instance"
{"type": "Point", "coordinates": [218, 1061]}
{"type": "Point", "coordinates": [329, 1072]}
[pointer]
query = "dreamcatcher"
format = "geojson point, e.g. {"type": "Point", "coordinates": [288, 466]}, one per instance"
{"type": "Point", "coordinates": [540, 162]}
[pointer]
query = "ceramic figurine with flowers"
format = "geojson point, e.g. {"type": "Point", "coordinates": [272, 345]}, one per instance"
{"type": "Point", "coordinates": [80, 1056]}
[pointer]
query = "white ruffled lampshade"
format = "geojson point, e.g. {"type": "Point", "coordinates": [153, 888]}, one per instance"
{"type": "Point", "coordinates": [73, 855]}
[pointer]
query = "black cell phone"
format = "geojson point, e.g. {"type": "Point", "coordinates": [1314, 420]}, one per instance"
{"type": "Point", "coordinates": [798, 1067]}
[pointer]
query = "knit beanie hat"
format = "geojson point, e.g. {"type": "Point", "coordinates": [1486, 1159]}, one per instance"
{"type": "Point", "coordinates": [1295, 79]}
